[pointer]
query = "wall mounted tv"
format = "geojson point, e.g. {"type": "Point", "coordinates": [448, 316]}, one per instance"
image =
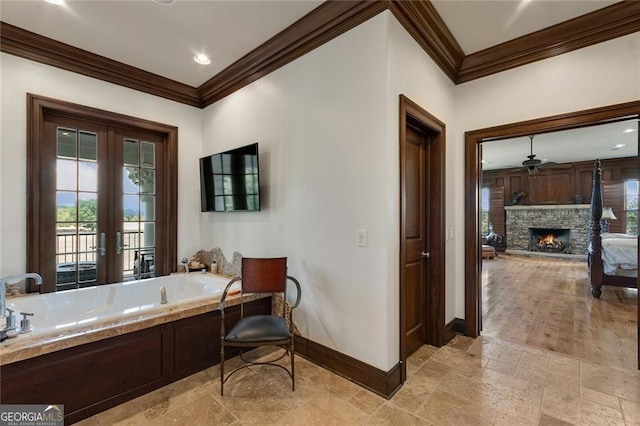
{"type": "Point", "coordinates": [230, 181]}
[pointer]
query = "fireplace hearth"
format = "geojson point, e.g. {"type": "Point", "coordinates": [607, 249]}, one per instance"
{"type": "Point", "coordinates": [550, 240]}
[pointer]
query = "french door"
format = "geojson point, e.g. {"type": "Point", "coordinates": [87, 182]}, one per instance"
{"type": "Point", "coordinates": [102, 190]}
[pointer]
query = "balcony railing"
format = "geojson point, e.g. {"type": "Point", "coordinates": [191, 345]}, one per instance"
{"type": "Point", "coordinates": [77, 251]}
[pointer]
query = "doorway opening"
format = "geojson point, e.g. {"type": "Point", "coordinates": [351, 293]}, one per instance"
{"type": "Point", "coordinates": [473, 183]}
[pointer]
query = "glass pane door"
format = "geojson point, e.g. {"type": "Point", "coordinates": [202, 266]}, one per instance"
{"type": "Point", "coordinates": [102, 200]}
{"type": "Point", "coordinates": [77, 240]}
{"type": "Point", "coordinates": [137, 242]}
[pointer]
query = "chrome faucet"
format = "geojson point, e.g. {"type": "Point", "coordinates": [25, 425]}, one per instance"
{"type": "Point", "coordinates": [3, 284]}
{"type": "Point", "coordinates": [185, 262]}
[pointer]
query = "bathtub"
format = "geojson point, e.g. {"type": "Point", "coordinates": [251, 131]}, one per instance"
{"type": "Point", "coordinates": [66, 311]}
{"type": "Point", "coordinates": [118, 338]}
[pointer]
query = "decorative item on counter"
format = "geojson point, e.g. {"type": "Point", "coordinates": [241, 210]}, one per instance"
{"type": "Point", "coordinates": [17, 288]}
{"type": "Point", "coordinates": [226, 268]}
{"type": "Point", "coordinates": [578, 199]}
{"type": "Point", "coordinates": [195, 265]}
{"type": "Point", "coordinates": [222, 266]}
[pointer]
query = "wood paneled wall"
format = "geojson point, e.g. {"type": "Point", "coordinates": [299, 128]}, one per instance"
{"type": "Point", "coordinates": [560, 184]}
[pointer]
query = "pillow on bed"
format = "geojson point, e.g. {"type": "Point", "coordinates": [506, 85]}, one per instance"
{"type": "Point", "coordinates": [609, 235]}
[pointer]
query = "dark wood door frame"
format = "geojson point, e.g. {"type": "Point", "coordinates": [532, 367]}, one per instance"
{"type": "Point", "coordinates": [473, 171]}
{"type": "Point", "coordinates": [37, 107]}
{"type": "Point", "coordinates": [435, 292]}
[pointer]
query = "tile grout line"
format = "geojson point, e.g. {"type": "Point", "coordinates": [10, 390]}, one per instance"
{"type": "Point", "coordinates": [544, 392]}
{"type": "Point", "coordinates": [434, 390]}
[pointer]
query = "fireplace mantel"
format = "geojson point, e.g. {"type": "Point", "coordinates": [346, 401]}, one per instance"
{"type": "Point", "coordinates": [548, 207]}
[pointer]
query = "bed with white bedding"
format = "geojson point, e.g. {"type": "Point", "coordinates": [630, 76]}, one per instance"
{"type": "Point", "coordinates": [620, 254]}
{"type": "Point", "coordinates": [612, 258]}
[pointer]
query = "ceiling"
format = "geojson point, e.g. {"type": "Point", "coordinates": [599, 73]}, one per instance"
{"type": "Point", "coordinates": [567, 146]}
{"type": "Point", "coordinates": [506, 20]}
{"type": "Point", "coordinates": [157, 38]}
{"type": "Point", "coordinates": [163, 39]}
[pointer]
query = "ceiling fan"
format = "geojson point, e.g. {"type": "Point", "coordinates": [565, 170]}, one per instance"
{"type": "Point", "coordinates": [532, 163]}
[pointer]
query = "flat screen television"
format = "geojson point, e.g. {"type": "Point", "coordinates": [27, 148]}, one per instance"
{"type": "Point", "coordinates": [230, 180]}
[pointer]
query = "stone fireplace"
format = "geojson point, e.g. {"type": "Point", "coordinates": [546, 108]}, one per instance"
{"type": "Point", "coordinates": [565, 228]}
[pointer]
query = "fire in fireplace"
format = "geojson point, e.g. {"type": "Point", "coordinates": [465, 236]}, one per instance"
{"type": "Point", "coordinates": [550, 240]}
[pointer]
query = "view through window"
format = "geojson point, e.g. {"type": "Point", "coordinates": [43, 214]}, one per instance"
{"type": "Point", "coordinates": [631, 205]}
{"type": "Point", "coordinates": [484, 219]}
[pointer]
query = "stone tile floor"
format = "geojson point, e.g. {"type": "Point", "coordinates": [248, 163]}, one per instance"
{"type": "Point", "coordinates": [481, 381]}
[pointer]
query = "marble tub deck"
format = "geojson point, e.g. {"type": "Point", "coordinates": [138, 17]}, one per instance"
{"type": "Point", "coordinates": [27, 346]}
{"type": "Point", "coordinates": [481, 381]}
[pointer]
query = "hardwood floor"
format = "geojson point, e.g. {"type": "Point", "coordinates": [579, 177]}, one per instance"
{"type": "Point", "coordinates": [546, 303]}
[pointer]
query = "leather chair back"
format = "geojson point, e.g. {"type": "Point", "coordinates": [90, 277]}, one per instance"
{"type": "Point", "coordinates": [264, 275]}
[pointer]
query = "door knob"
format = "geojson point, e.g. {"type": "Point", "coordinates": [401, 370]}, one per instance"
{"type": "Point", "coordinates": [101, 248]}
{"type": "Point", "coordinates": [119, 245]}
{"type": "Point", "coordinates": [425, 254]}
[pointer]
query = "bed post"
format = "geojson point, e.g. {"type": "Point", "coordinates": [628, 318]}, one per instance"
{"type": "Point", "coordinates": [594, 259]}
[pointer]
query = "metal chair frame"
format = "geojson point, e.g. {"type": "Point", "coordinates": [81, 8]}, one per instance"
{"type": "Point", "coordinates": [286, 344]}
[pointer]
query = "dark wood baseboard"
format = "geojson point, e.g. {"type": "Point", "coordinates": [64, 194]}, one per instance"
{"type": "Point", "coordinates": [453, 328]}
{"type": "Point", "coordinates": [383, 383]}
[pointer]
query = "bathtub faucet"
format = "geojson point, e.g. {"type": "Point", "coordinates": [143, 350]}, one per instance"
{"type": "Point", "coordinates": [185, 262]}
{"type": "Point", "coordinates": [3, 290]}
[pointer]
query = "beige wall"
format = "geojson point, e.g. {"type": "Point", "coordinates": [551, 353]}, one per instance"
{"type": "Point", "coordinates": [321, 124]}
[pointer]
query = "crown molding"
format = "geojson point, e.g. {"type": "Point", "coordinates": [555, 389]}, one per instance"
{"type": "Point", "coordinates": [319, 26]}
{"type": "Point", "coordinates": [32, 46]}
{"type": "Point", "coordinates": [327, 21]}
{"type": "Point", "coordinates": [424, 24]}
{"type": "Point", "coordinates": [601, 25]}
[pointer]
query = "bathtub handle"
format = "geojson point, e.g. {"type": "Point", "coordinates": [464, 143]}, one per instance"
{"type": "Point", "coordinates": [101, 248]}
{"type": "Point", "coordinates": [119, 245]}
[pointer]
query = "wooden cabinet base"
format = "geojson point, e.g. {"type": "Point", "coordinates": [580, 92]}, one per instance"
{"type": "Point", "coordinates": [94, 377]}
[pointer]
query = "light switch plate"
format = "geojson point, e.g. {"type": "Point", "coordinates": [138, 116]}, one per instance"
{"type": "Point", "coordinates": [362, 238]}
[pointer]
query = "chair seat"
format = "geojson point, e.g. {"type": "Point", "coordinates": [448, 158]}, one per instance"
{"type": "Point", "coordinates": [259, 328]}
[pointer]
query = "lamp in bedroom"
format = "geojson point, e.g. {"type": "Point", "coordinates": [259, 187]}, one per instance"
{"type": "Point", "coordinates": [607, 214]}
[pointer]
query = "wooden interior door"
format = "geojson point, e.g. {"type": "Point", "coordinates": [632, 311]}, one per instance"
{"type": "Point", "coordinates": [422, 231]}
{"type": "Point", "coordinates": [415, 238]}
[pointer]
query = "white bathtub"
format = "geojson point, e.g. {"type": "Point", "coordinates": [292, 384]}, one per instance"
{"type": "Point", "coordinates": [68, 310]}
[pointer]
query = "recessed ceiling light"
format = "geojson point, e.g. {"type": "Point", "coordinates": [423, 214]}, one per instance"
{"type": "Point", "coordinates": [58, 2]}
{"type": "Point", "coordinates": [165, 2]}
{"type": "Point", "coordinates": [202, 59]}
{"type": "Point", "coordinates": [628, 130]}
